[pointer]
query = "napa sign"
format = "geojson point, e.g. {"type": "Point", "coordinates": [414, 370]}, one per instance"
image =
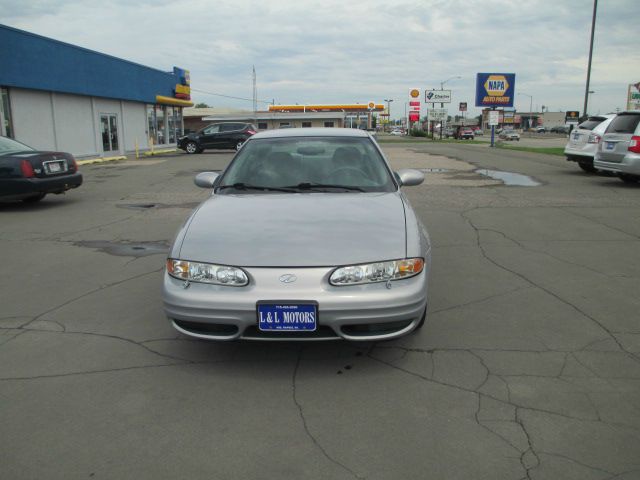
{"type": "Point", "coordinates": [495, 89]}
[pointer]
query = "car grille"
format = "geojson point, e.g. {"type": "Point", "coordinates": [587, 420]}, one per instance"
{"type": "Point", "coordinates": [322, 332]}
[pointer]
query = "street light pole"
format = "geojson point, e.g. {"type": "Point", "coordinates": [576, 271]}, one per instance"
{"type": "Point", "coordinates": [388, 109]}
{"type": "Point", "coordinates": [593, 30]}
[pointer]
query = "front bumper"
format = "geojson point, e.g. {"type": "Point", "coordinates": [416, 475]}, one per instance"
{"type": "Point", "coordinates": [358, 312]}
{"type": "Point", "coordinates": [630, 164]}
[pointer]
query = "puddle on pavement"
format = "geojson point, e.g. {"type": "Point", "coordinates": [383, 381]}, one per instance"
{"type": "Point", "coordinates": [509, 178]}
{"type": "Point", "coordinates": [126, 249]}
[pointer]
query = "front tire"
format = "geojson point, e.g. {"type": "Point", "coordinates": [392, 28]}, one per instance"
{"type": "Point", "coordinates": [191, 148]}
{"type": "Point", "coordinates": [239, 144]}
{"type": "Point", "coordinates": [626, 178]}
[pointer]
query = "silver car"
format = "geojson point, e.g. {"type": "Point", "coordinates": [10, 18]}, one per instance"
{"type": "Point", "coordinates": [306, 236]}
{"type": "Point", "coordinates": [583, 141]}
{"type": "Point", "coordinates": [619, 150]}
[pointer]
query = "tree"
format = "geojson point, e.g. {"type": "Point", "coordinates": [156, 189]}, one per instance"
{"type": "Point", "coordinates": [202, 105]}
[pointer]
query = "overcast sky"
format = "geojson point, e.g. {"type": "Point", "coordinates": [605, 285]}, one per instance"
{"type": "Point", "coordinates": [333, 51]}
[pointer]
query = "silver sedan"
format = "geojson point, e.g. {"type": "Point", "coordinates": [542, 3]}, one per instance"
{"type": "Point", "coordinates": [306, 236]}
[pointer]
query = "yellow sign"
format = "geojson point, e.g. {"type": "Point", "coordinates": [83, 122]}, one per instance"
{"type": "Point", "coordinates": [496, 85]}
{"type": "Point", "coordinates": [354, 107]}
{"type": "Point", "coordinates": [183, 89]}
{"type": "Point", "coordinates": [414, 93]}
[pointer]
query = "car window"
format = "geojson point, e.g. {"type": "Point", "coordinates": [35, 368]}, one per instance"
{"type": "Point", "coordinates": [287, 162]}
{"type": "Point", "coordinates": [8, 145]}
{"type": "Point", "coordinates": [603, 126]}
{"type": "Point", "coordinates": [624, 123]}
{"type": "Point", "coordinates": [211, 129]}
{"type": "Point", "coordinates": [230, 127]}
{"type": "Point", "coordinates": [591, 123]}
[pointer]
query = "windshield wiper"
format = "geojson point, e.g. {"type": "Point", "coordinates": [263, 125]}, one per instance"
{"type": "Point", "coordinates": [245, 186]}
{"type": "Point", "coordinates": [313, 185]}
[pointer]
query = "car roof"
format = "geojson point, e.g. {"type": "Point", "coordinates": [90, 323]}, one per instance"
{"type": "Point", "coordinates": [312, 132]}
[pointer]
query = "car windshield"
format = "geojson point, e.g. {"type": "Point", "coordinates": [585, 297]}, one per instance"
{"type": "Point", "coordinates": [301, 164]}
{"type": "Point", "coordinates": [9, 146]}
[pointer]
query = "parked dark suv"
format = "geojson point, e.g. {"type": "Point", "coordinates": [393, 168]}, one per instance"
{"type": "Point", "coordinates": [217, 135]}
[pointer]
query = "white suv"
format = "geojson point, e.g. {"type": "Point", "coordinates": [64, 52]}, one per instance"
{"type": "Point", "coordinates": [584, 140]}
{"type": "Point", "coordinates": [619, 150]}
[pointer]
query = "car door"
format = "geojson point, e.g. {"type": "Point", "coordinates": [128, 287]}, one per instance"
{"type": "Point", "coordinates": [210, 136]}
{"type": "Point", "coordinates": [231, 134]}
{"type": "Point", "coordinates": [615, 143]}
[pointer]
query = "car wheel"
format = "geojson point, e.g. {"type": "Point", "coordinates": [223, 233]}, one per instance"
{"type": "Point", "coordinates": [239, 144]}
{"type": "Point", "coordinates": [34, 199]}
{"type": "Point", "coordinates": [587, 167]}
{"type": "Point", "coordinates": [626, 178]}
{"type": "Point", "coordinates": [191, 147]}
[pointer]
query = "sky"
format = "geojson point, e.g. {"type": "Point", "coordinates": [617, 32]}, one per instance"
{"type": "Point", "coordinates": [331, 51]}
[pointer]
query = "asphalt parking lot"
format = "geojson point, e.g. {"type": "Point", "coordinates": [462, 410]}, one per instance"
{"type": "Point", "coordinates": [528, 366]}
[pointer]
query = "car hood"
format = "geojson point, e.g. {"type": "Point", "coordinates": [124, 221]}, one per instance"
{"type": "Point", "coordinates": [295, 230]}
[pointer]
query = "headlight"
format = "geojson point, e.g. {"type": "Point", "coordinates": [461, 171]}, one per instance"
{"type": "Point", "coordinates": [376, 272]}
{"type": "Point", "coordinates": [206, 273]}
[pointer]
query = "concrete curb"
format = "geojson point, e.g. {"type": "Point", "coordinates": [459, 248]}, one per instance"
{"type": "Point", "coordinates": [90, 161]}
{"type": "Point", "coordinates": [150, 153]}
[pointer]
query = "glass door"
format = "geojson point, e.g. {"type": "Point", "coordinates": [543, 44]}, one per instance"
{"type": "Point", "coordinates": [109, 129]}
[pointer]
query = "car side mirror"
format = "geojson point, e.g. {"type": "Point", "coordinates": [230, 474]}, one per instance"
{"type": "Point", "coordinates": [206, 179]}
{"type": "Point", "coordinates": [409, 177]}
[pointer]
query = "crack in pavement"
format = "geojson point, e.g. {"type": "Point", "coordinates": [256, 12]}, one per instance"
{"type": "Point", "coordinates": [523, 458]}
{"type": "Point", "coordinates": [306, 426]}
{"type": "Point", "coordinates": [564, 457]}
{"type": "Point", "coordinates": [597, 222]}
{"type": "Point", "coordinates": [86, 294]}
{"type": "Point", "coordinates": [546, 290]}
{"type": "Point", "coordinates": [530, 457]}
{"type": "Point", "coordinates": [480, 300]}
{"type": "Point", "coordinates": [90, 372]}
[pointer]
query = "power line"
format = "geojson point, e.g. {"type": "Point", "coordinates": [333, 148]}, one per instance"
{"type": "Point", "coordinates": [230, 96]}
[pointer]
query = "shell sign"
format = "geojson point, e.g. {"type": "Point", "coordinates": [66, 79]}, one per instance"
{"type": "Point", "coordinates": [414, 93]}
{"type": "Point", "coordinates": [495, 89]}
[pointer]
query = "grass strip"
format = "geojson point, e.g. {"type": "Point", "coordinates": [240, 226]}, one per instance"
{"type": "Point", "coordinates": [544, 150]}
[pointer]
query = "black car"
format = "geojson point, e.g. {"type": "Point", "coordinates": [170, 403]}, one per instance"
{"type": "Point", "coordinates": [217, 135]}
{"type": "Point", "coordinates": [27, 174]}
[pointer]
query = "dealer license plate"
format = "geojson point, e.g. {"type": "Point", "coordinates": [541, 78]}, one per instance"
{"type": "Point", "coordinates": [610, 146]}
{"type": "Point", "coordinates": [287, 317]}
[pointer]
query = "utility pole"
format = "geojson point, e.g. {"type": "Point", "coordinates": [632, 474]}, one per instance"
{"type": "Point", "coordinates": [593, 30]}
{"type": "Point", "coordinates": [255, 92]}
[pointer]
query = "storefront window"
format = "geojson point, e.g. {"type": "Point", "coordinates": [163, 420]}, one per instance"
{"type": "Point", "coordinates": [171, 123]}
{"type": "Point", "coordinates": [5, 113]}
{"type": "Point", "coordinates": [178, 112]}
{"type": "Point", "coordinates": [151, 123]}
{"type": "Point", "coordinates": [160, 125]}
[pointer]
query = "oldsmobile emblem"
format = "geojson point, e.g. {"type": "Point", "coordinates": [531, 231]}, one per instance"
{"type": "Point", "coordinates": [288, 278]}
